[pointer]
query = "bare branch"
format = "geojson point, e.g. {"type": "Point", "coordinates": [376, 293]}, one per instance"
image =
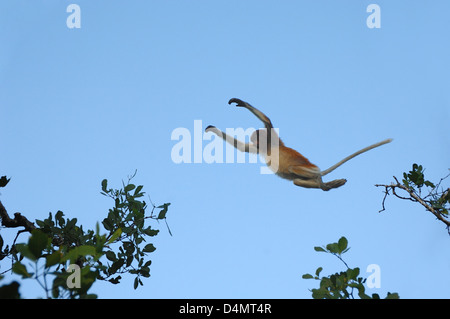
{"type": "Point", "coordinates": [414, 197]}
{"type": "Point", "coordinates": [18, 220]}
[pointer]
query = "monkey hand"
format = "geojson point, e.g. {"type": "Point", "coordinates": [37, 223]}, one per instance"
{"type": "Point", "coordinates": [238, 102]}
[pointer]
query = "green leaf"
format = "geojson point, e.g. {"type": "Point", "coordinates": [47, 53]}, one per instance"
{"type": "Point", "coordinates": [4, 180]}
{"type": "Point", "coordinates": [104, 185]}
{"type": "Point", "coordinates": [129, 187]}
{"type": "Point", "coordinates": [145, 272]}
{"type": "Point", "coordinates": [318, 270]}
{"type": "Point", "coordinates": [10, 291]}
{"type": "Point", "coordinates": [24, 250]}
{"type": "Point", "coordinates": [320, 249]}
{"type": "Point", "coordinates": [138, 190]}
{"type": "Point", "coordinates": [116, 266]}
{"type": "Point", "coordinates": [149, 248]}
{"type": "Point", "coordinates": [342, 244]}
{"type": "Point", "coordinates": [353, 273]}
{"type": "Point", "coordinates": [392, 296]}
{"type": "Point", "coordinates": [150, 232]}
{"type": "Point", "coordinates": [361, 292]}
{"type": "Point", "coordinates": [40, 223]}
{"type": "Point", "coordinates": [107, 224]}
{"type": "Point", "coordinates": [71, 223]}
{"type": "Point", "coordinates": [53, 259]}
{"type": "Point", "coordinates": [320, 294]}
{"type": "Point", "coordinates": [59, 218]}
{"type": "Point", "coordinates": [307, 276]}
{"type": "Point", "coordinates": [111, 255]}
{"type": "Point", "coordinates": [115, 280]}
{"type": "Point", "coordinates": [163, 212]}
{"type": "Point", "coordinates": [429, 184]}
{"type": "Point", "coordinates": [128, 246]}
{"type": "Point", "coordinates": [114, 236]}
{"type": "Point", "coordinates": [80, 251]}
{"type": "Point", "coordinates": [37, 242]}
{"type": "Point", "coordinates": [130, 259]}
{"type": "Point", "coordinates": [20, 269]}
{"type": "Point", "coordinates": [333, 248]}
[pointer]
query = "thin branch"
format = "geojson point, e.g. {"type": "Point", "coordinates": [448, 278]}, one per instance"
{"type": "Point", "coordinates": [340, 258]}
{"type": "Point", "coordinates": [414, 197]}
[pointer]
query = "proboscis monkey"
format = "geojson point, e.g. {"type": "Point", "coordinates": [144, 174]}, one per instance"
{"type": "Point", "coordinates": [284, 161]}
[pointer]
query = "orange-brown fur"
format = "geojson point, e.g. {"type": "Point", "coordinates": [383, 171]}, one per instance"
{"type": "Point", "coordinates": [285, 161]}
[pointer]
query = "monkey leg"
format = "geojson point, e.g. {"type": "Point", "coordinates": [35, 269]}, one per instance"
{"type": "Point", "coordinates": [305, 172]}
{"type": "Point", "coordinates": [310, 177]}
{"type": "Point", "coordinates": [306, 183]}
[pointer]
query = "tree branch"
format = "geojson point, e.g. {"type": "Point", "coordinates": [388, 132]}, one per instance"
{"type": "Point", "coordinates": [18, 220]}
{"type": "Point", "coordinates": [415, 198]}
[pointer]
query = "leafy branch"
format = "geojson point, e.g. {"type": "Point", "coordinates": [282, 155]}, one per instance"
{"type": "Point", "coordinates": [341, 285]}
{"type": "Point", "coordinates": [129, 215]}
{"type": "Point", "coordinates": [57, 243]}
{"type": "Point", "coordinates": [436, 200]}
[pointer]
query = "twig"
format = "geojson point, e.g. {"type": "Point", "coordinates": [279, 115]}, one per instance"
{"type": "Point", "coordinates": [414, 198]}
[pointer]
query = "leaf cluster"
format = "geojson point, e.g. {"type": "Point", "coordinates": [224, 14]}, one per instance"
{"type": "Point", "coordinates": [58, 242]}
{"type": "Point", "coordinates": [414, 184]}
{"type": "Point", "coordinates": [129, 215]}
{"type": "Point", "coordinates": [437, 198]}
{"type": "Point", "coordinates": [40, 259]}
{"type": "Point", "coordinates": [416, 177]}
{"type": "Point", "coordinates": [340, 285]}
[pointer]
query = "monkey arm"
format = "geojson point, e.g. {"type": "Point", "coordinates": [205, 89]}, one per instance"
{"type": "Point", "coordinates": [255, 111]}
{"type": "Point", "coordinates": [243, 147]}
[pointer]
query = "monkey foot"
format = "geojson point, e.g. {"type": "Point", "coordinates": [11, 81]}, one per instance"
{"type": "Point", "coordinates": [333, 184]}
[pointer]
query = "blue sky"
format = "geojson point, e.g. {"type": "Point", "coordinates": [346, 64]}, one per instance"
{"type": "Point", "coordinates": [80, 105]}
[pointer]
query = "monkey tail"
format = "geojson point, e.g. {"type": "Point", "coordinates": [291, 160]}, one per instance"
{"type": "Point", "coordinates": [368, 148]}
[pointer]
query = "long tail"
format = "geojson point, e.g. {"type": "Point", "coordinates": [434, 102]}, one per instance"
{"type": "Point", "coordinates": [368, 148]}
